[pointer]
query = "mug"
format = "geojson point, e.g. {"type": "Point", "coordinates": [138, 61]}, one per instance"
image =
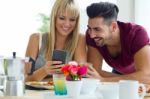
{"type": "Point", "coordinates": [108, 90]}
{"type": "Point", "coordinates": [89, 85]}
{"type": "Point", "coordinates": [128, 89]}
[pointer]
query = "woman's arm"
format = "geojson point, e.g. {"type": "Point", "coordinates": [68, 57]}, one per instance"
{"type": "Point", "coordinates": [32, 51]}
{"type": "Point", "coordinates": [48, 68]}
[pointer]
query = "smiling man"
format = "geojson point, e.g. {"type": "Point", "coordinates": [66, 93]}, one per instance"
{"type": "Point", "coordinates": [124, 46]}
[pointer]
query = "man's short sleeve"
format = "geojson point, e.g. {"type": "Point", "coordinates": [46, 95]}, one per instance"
{"type": "Point", "coordinates": [140, 39]}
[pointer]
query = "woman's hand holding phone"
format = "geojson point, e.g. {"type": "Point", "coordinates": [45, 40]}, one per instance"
{"type": "Point", "coordinates": [58, 58]}
{"type": "Point", "coordinates": [52, 67]}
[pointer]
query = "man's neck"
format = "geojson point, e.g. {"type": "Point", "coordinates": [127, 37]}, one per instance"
{"type": "Point", "coordinates": [115, 41]}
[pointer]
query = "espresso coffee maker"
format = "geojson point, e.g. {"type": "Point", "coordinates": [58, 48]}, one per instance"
{"type": "Point", "coordinates": [14, 76]}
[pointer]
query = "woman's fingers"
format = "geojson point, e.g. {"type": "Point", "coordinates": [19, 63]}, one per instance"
{"type": "Point", "coordinates": [50, 63]}
{"type": "Point", "coordinates": [56, 62]}
{"type": "Point", "coordinates": [52, 71]}
{"type": "Point", "coordinates": [55, 66]}
{"type": "Point", "coordinates": [52, 66]}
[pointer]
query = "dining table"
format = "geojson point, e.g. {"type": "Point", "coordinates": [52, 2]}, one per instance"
{"type": "Point", "coordinates": [49, 94]}
{"type": "Point", "coordinates": [45, 94]}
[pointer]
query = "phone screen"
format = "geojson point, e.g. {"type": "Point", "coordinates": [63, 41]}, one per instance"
{"type": "Point", "coordinates": [59, 55]}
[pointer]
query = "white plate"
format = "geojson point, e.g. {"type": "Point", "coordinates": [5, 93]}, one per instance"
{"type": "Point", "coordinates": [40, 85]}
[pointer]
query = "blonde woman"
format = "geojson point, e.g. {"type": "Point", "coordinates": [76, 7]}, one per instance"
{"type": "Point", "coordinates": [63, 35]}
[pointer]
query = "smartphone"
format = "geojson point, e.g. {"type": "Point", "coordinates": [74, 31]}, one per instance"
{"type": "Point", "coordinates": [59, 55]}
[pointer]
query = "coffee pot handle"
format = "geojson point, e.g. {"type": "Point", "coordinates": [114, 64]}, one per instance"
{"type": "Point", "coordinates": [14, 54]}
{"type": "Point", "coordinates": [143, 91]}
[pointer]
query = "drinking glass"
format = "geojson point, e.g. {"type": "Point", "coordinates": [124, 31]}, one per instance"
{"type": "Point", "coordinates": [59, 84]}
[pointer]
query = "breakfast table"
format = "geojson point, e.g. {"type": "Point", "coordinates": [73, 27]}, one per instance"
{"type": "Point", "coordinates": [44, 94]}
{"type": "Point", "coordinates": [48, 94]}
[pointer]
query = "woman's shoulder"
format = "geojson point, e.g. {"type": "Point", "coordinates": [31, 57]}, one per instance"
{"type": "Point", "coordinates": [34, 36]}
{"type": "Point", "coordinates": [38, 35]}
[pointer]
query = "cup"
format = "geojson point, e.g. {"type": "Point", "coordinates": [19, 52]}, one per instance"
{"type": "Point", "coordinates": [108, 90]}
{"type": "Point", "coordinates": [73, 88]}
{"type": "Point", "coordinates": [128, 89]}
{"type": "Point", "coordinates": [89, 85]}
{"type": "Point", "coordinates": [59, 84]}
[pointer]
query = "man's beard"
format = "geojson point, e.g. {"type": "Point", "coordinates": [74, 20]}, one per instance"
{"type": "Point", "coordinates": [100, 43]}
{"type": "Point", "coordinates": [103, 41]}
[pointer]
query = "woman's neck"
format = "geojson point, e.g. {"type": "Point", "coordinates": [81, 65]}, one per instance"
{"type": "Point", "coordinates": [60, 41]}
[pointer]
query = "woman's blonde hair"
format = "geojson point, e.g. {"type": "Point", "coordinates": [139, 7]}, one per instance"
{"type": "Point", "coordinates": [60, 7]}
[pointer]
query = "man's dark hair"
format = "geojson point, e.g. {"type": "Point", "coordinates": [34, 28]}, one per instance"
{"type": "Point", "coordinates": [107, 10]}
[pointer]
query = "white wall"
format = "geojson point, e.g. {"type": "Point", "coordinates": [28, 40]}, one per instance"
{"type": "Point", "coordinates": [18, 19]}
{"type": "Point", "coordinates": [135, 11]}
{"type": "Point", "coordinates": [126, 10]}
{"type": "Point", "coordinates": [142, 13]}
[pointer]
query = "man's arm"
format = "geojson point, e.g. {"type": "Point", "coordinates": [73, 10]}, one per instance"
{"type": "Point", "coordinates": [142, 63]}
{"type": "Point", "coordinates": [96, 59]}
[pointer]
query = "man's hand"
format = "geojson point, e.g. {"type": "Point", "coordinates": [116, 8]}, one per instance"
{"type": "Point", "coordinates": [92, 73]}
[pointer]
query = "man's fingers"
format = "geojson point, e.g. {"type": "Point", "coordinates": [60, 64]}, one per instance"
{"type": "Point", "coordinates": [89, 76]}
{"type": "Point", "coordinates": [90, 72]}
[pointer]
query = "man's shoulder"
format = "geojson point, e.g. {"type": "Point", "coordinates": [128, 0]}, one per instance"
{"type": "Point", "coordinates": [128, 29]}
{"type": "Point", "coordinates": [133, 36]}
{"type": "Point", "coordinates": [129, 26]}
